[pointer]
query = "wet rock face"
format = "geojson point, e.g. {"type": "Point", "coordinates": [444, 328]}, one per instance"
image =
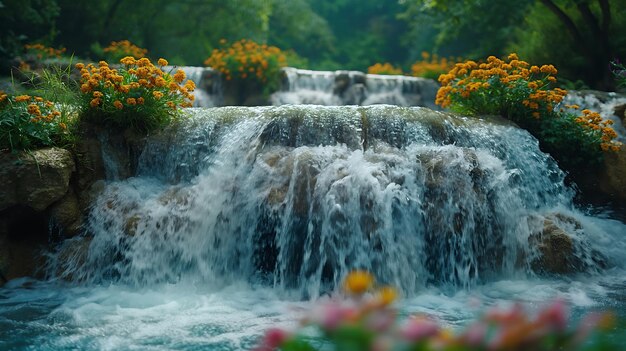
{"type": "Point", "coordinates": [559, 249]}
{"type": "Point", "coordinates": [35, 192]}
{"type": "Point", "coordinates": [613, 178]}
{"type": "Point", "coordinates": [35, 180]}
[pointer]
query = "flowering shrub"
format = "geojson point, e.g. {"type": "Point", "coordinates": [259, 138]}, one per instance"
{"type": "Point", "coordinates": [138, 95]}
{"type": "Point", "coordinates": [523, 93]}
{"type": "Point", "coordinates": [249, 61]}
{"type": "Point", "coordinates": [384, 68]}
{"type": "Point", "coordinates": [431, 66]}
{"type": "Point", "coordinates": [28, 122]}
{"type": "Point", "coordinates": [120, 49]}
{"type": "Point", "coordinates": [366, 321]}
{"type": "Point", "coordinates": [42, 52]}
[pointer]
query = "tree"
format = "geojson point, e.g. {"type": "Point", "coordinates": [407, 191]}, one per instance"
{"type": "Point", "coordinates": [588, 23]}
{"type": "Point", "coordinates": [24, 21]}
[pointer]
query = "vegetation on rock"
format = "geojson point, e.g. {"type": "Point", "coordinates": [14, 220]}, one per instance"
{"type": "Point", "coordinates": [526, 94]}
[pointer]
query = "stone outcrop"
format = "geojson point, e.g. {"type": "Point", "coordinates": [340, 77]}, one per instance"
{"type": "Point", "coordinates": [35, 192]}
{"type": "Point", "coordinates": [612, 180]}
{"type": "Point", "coordinates": [558, 251]}
{"type": "Point", "coordinates": [35, 180]}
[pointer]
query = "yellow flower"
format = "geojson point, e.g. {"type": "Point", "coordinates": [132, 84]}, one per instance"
{"type": "Point", "coordinates": [131, 101]}
{"type": "Point", "coordinates": [358, 282]}
{"type": "Point", "coordinates": [157, 95]}
{"type": "Point", "coordinates": [140, 101]}
{"type": "Point", "coordinates": [118, 104]}
{"type": "Point", "coordinates": [94, 102]}
{"type": "Point", "coordinates": [62, 126]}
{"type": "Point", "coordinates": [162, 62]}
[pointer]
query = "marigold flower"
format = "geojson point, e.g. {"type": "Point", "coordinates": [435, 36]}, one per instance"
{"type": "Point", "coordinates": [131, 101]}
{"type": "Point", "coordinates": [162, 62]}
{"type": "Point", "coordinates": [358, 282]}
{"type": "Point", "coordinates": [22, 98]}
{"type": "Point", "coordinates": [157, 95]}
{"type": "Point", "coordinates": [95, 102]}
{"type": "Point", "coordinates": [179, 76]}
{"type": "Point", "coordinates": [118, 104]}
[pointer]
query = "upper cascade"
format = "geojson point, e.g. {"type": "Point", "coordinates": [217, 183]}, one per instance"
{"type": "Point", "coordinates": [297, 196]}
{"type": "Point", "coordinates": [337, 88]}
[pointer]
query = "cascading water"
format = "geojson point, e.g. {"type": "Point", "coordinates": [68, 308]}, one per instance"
{"type": "Point", "coordinates": [237, 211]}
{"type": "Point", "coordinates": [298, 196]}
{"type": "Point", "coordinates": [208, 82]}
{"type": "Point", "coordinates": [353, 88]}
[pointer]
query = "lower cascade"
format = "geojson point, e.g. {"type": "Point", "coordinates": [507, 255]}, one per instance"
{"type": "Point", "coordinates": [294, 197]}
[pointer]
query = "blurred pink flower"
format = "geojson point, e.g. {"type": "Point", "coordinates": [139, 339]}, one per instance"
{"type": "Point", "coordinates": [273, 339]}
{"type": "Point", "coordinates": [419, 328]}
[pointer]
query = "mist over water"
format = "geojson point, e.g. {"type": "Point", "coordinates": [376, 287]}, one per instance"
{"type": "Point", "coordinates": [238, 217]}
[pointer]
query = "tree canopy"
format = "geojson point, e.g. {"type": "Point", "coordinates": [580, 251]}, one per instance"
{"type": "Point", "coordinates": [580, 37]}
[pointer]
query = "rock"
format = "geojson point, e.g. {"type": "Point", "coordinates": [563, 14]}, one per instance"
{"type": "Point", "coordinates": [620, 111]}
{"type": "Point", "coordinates": [612, 180]}
{"type": "Point", "coordinates": [35, 180]}
{"type": "Point", "coordinates": [71, 257]}
{"type": "Point", "coordinates": [557, 250]}
{"type": "Point", "coordinates": [130, 226]}
{"type": "Point", "coordinates": [23, 235]}
{"type": "Point", "coordinates": [66, 214]}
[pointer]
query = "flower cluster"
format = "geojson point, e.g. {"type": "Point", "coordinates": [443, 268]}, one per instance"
{"type": "Point", "coordinates": [366, 320]}
{"type": "Point", "coordinates": [42, 52]}
{"type": "Point", "coordinates": [523, 93]}
{"type": "Point", "coordinates": [28, 122]}
{"type": "Point", "coordinates": [248, 60]}
{"type": "Point", "coordinates": [138, 95]}
{"type": "Point", "coordinates": [593, 122]}
{"type": "Point", "coordinates": [498, 87]}
{"type": "Point", "coordinates": [120, 49]}
{"type": "Point", "coordinates": [384, 68]}
{"type": "Point", "coordinates": [431, 66]}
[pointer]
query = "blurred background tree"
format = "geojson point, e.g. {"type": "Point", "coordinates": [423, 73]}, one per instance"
{"type": "Point", "coordinates": [580, 37]}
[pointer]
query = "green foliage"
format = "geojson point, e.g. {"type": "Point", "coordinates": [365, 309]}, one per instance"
{"type": "Point", "coordinates": [581, 37]}
{"type": "Point", "coordinates": [23, 21]}
{"type": "Point", "coordinates": [139, 95]}
{"type": "Point", "coordinates": [28, 122]}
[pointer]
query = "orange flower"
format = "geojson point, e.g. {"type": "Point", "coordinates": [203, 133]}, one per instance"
{"type": "Point", "coordinates": [358, 282]}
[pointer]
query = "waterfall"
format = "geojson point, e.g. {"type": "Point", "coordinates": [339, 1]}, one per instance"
{"type": "Point", "coordinates": [296, 196]}
{"type": "Point", "coordinates": [353, 88]}
{"type": "Point", "coordinates": [209, 92]}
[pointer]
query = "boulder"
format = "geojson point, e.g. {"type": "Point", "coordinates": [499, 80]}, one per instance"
{"type": "Point", "coordinates": [612, 181]}
{"type": "Point", "coordinates": [66, 214]}
{"type": "Point", "coordinates": [557, 249]}
{"type": "Point", "coordinates": [35, 180]}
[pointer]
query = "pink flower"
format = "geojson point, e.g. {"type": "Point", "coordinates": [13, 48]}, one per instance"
{"type": "Point", "coordinates": [554, 317]}
{"type": "Point", "coordinates": [475, 335]}
{"type": "Point", "coordinates": [273, 339]}
{"type": "Point", "coordinates": [419, 328]}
